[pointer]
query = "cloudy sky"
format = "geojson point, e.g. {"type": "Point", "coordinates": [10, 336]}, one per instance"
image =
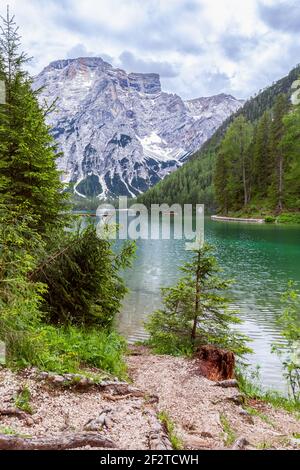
{"type": "Point", "coordinates": [199, 47]}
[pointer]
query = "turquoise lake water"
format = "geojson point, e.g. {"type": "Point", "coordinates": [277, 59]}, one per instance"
{"type": "Point", "coordinates": [261, 259]}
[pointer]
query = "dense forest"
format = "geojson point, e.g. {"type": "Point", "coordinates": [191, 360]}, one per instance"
{"type": "Point", "coordinates": [258, 167]}
{"type": "Point", "coordinates": [200, 179]}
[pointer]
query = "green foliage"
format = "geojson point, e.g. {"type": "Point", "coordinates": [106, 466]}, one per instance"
{"type": "Point", "coordinates": [270, 219]}
{"type": "Point", "coordinates": [291, 150]}
{"type": "Point", "coordinates": [9, 431]}
{"type": "Point", "coordinates": [85, 204]}
{"type": "Point", "coordinates": [70, 349]}
{"type": "Point", "coordinates": [289, 322]}
{"type": "Point", "coordinates": [28, 154]}
{"type": "Point", "coordinates": [254, 412]}
{"type": "Point", "coordinates": [193, 182]}
{"type": "Point", "coordinates": [261, 165]}
{"type": "Point", "coordinates": [22, 400]}
{"type": "Point", "coordinates": [289, 218]}
{"type": "Point", "coordinates": [232, 172]}
{"type": "Point", "coordinates": [266, 178]}
{"type": "Point", "coordinates": [194, 312]}
{"type": "Point", "coordinates": [229, 433]}
{"type": "Point", "coordinates": [48, 273]}
{"type": "Point", "coordinates": [250, 386]}
{"type": "Point", "coordinates": [169, 425]}
{"type": "Point", "coordinates": [19, 298]}
{"type": "Point", "coordinates": [84, 286]}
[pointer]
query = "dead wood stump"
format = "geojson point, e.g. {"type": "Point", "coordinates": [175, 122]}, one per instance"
{"type": "Point", "coordinates": [215, 364]}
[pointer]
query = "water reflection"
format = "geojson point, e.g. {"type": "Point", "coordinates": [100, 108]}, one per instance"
{"type": "Point", "coordinates": [261, 258]}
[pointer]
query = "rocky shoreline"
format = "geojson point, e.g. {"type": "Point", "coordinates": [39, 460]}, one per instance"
{"type": "Point", "coordinates": [125, 415]}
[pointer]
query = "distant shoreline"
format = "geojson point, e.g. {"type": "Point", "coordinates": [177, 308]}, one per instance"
{"type": "Point", "coordinates": [220, 218]}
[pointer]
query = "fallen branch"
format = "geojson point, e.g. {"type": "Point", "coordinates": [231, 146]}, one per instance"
{"type": "Point", "coordinates": [121, 388]}
{"type": "Point", "coordinates": [108, 396]}
{"type": "Point", "coordinates": [227, 383]}
{"type": "Point", "coordinates": [16, 413]}
{"type": "Point", "coordinates": [13, 412]}
{"type": "Point", "coordinates": [61, 442]}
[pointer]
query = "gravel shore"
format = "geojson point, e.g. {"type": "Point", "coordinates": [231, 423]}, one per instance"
{"type": "Point", "coordinates": [205, 416]}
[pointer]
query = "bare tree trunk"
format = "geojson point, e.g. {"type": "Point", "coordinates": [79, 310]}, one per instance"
{"type": "Point", "coordinates": [62, 442]}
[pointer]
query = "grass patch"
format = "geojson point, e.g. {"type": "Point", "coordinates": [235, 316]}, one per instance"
{"type": "Point", "coordinates": [229, 433]}
{"type": "Point", "coordinates": [8, 431]}
{"type": "Point", "coordinates": [250, 387]}
{"type": "Point", "coordinates": [22, 400]}
{"type": "Point", "coordinates": [264, 445]}
{"type": "Point", "coordinates": [254, 412]}
{"type": "Point", "coordinates": [69, 349]}
{"type": "Point", "coordinates": [165, 419]}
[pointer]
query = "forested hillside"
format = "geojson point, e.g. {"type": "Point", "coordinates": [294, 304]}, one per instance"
{"type": "Point", "coordinates": [194, 181]}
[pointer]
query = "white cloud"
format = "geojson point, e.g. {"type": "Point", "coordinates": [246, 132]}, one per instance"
{"type": "Point", "coordinates": [200, 47]}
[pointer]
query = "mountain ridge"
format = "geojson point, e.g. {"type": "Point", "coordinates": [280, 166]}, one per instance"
{"type": "Point", "coordinates": [119, 132]}
{"type": "Point", "coordinates": [193, 183]}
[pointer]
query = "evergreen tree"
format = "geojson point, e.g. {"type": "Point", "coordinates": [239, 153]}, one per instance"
{"type": "Point", "coordinates": [82, 277]}
{"type": "Point", "coordinates": [220, 183]}
{"type": "Point", "coordinates": [262, 165]}
{"type": "Point", "coordinates": [27, 150]}
{"type": "Point", "coordinates": [277, 132]}
{"type": "Point", "coordinates": [290, 146]}
{"type": "Point", "coordinates": [235, 148]}
{"type": "Point", "coordinates": [194, 312]}
{"type": "Point", "coordinates": [200, 167]}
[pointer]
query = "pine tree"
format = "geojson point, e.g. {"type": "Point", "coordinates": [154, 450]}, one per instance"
{"type": "Point", "coordinates": [220, 183]}
{"type": "Point", "coordinates": [235, 149]}
{"type": "Point", "coordinates": [194, 312]}
{"type": "Point", "coordinates": [262, 166]}
{"type": "Point", "coordinates": [83, 280]}
{"type": "Point", "coordinates": [290, 146]}
{"type": "Point", "coordinates": [277, 132]}
{"type": "Point", "coordinates": [28, 154]}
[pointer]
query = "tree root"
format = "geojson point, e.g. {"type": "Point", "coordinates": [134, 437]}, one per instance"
{"type": "Point", "coordinates": [61, 442]}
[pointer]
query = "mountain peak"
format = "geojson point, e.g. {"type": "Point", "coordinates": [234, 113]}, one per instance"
{"type": "Point", "coordinates": [119, 133]}
{"type": "Point", "coordinates": [145, 82]}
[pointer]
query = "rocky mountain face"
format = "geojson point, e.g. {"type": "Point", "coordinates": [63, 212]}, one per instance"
{"type": "Point", "coordinates": [120, 133]}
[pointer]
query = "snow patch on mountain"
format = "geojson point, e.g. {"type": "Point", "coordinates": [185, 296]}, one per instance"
{"type": "Point", "coordinates": [120, 133]}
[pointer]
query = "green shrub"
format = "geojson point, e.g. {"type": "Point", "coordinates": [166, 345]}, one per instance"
{"type": "Point", "coordinates": [22, 400]}
{"type": "Point", "coordinates": [250, 386]}
{"type": "Point", "coordinates": [70, 349]}
{"type": "Point", "coordinates": [82, 276]}
{"type": "Point", "coordinates": [289, 218]}
{"type": "Point", "coordinates": [270, 219]}
{"type": "Point", "coordinates": [289, 351]}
